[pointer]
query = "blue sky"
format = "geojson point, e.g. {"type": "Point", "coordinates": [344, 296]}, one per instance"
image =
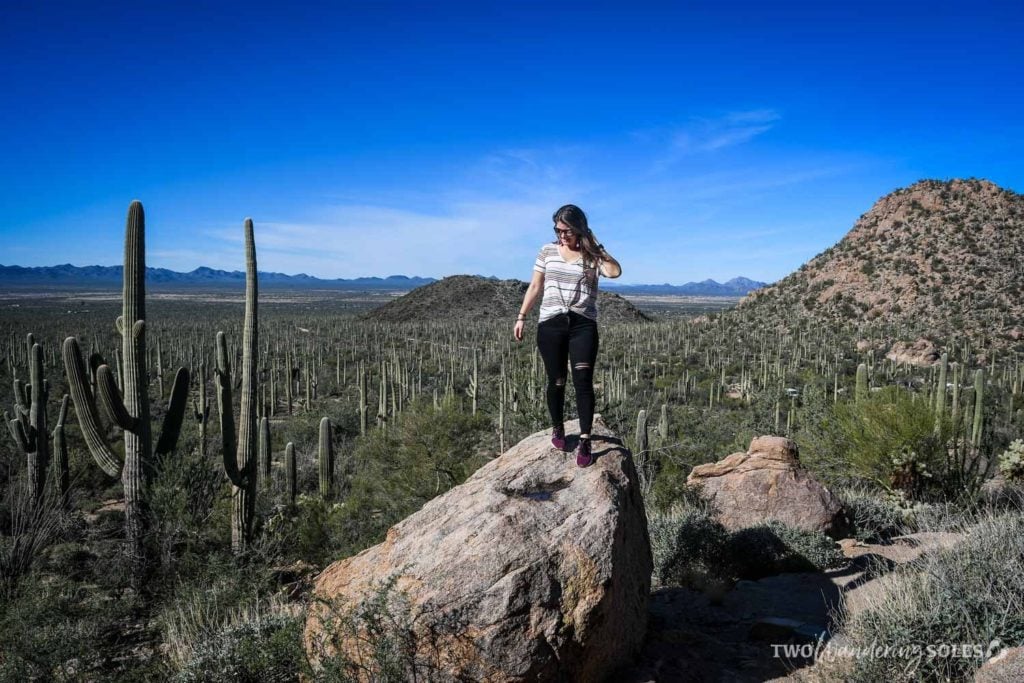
{"type": "Point", "coordinates": [703, 139]}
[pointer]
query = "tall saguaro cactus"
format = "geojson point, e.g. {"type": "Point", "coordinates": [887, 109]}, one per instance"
{"type": "Point", "coordinates": [240, 451]}
{"type": "Point", "coordinates": [129, 411]}
{"type": "Point", "coordinates": [60, 452]}
{"type": "Point", "coordinates": [28, 427]}
{"type": "Point", "coordinates": [325, 459]}
{"type": "Point", "coordinates": [979, 407]}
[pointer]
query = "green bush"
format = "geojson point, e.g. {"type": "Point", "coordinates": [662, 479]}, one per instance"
{"type": "Point", "coordinates": [891, 440]}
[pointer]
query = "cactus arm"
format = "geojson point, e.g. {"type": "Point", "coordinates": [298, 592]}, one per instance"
{"type": "Point", "coordinates": [85, 408]}
{"type": "Point", "coordinates": [62, 414]}
{"type": "Point", "coordinates": [20, 398]}
{"type": "Point", "coordinates": [175, 413]}
{"type": "Point", "coordinates": [110, 399]}
{"type": "Point", "coordinates": [222, 386]}
{"type": "Point", "coordinates": [10, 422]}
{"type": "Point", "coordinates": [20, 436]}
{"type": "Point", "coordinates": [119, 325]}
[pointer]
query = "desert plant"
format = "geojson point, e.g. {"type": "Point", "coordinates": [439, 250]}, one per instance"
{"type": "Point", "coordinates": [325, 459]}
{"type": "Point", "coordinates": [240, 451]}
{"type": "Point", "coordinates": [212, 637]}
{"type": "Point", "coordinates": [688, 546]}
{"type": "Point", "coordinates": [1011, 461]}
{"type": "Point", "coordinates": [130, 412]}
{"type": "Point", "coordinates": [875, 515]}
{"type": "Point", "coordinates": [969, 593]}
{"type": "Point", "coordinates": [28, 427]}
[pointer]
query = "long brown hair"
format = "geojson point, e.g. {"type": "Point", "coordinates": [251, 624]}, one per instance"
{"type": "Point", "coordinates": [573, 216]}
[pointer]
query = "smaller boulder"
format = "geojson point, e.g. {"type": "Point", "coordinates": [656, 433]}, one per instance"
{"type": "Point", "coordinates": [768, 483]}
{"type": "Point", "coordinates": [922, 353]}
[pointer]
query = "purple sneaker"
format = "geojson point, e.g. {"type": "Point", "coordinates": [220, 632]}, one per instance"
{"type": "Point", "coordinates": [584, 458]}
{"type": "Point", "coordinates": [558, 438]}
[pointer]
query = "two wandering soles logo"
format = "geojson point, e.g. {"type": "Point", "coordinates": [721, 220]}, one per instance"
{"type": "Point", "coordinates": [913, 654]}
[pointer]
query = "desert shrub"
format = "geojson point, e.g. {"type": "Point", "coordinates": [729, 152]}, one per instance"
{"type": "Point", "coordinates": [890, 439]}
{"type": "Point", "coordinates": [257, 641]}
{"type": "Point", "coordinates": [54, 629]}
{"type": "Point", "coordinates": [182, 503]}
{"type": "Point", "coordinates": [687, 544]}
{"type": "Point", "coordinates": [876, 515]}
{"type": "Point", "coordinates": [27, 529]}
{"type": "Point", "coordinates": [1011, 461]}
{"type": "Point", "coordinates": [774, 548]}
{"type": "Point", "coordinates": [970, 593]}
{"type": "Point", "coordinates": [267, 648]}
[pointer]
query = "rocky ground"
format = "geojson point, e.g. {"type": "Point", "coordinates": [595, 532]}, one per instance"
{"type": "Point", "coordinates": [703, 636]}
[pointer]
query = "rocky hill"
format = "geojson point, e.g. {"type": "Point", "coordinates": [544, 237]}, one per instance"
{"type": "Point", "coordinates": [472, 298]}
{"type": "Point", "coordinates": [935, 259]}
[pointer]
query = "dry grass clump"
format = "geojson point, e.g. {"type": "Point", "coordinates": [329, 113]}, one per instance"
{"type": "Point", "coordinates": [969, 595]}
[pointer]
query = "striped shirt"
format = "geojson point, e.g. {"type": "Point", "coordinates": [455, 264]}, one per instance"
{"type": "Point", "coordinates": [567, 286]}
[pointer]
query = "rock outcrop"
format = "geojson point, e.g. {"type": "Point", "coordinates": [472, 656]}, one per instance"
{"type": "Point", "coordinates": [533, 569]}
{"type": "Point", "coordinates": [937, 258]}
{"type": "Point", "coordinates": [766, 483]}
{"type": "Point", "coordinates": [921, 353]}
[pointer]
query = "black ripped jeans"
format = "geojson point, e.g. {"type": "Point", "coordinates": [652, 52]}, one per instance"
{"type": "Point", "coordinates": [569, 338]}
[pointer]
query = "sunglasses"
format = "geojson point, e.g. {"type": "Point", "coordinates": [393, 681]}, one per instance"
{"type": "Point", "coordinates": [563, 232]}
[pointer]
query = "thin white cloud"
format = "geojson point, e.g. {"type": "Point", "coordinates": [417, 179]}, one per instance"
{"type": "Point", "coordinates": [667, 223]}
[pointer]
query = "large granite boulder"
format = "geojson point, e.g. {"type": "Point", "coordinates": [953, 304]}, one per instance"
{"type": "Point", "coordinates": [531, 570]}
{"type": "Point", "coordinates": [768, 483]}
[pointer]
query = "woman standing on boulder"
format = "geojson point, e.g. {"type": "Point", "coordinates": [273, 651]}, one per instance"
{"type": "Point", "coordinates": [566, 271]}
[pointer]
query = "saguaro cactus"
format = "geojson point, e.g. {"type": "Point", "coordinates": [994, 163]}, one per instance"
{"type": "Point", "coordinates": [60, 452]}
{"type": "Point", "coordinates": [28, 427]}
{"type": "Point", "coordinates": [325, 458]}
{"type": "Point", "coordinates": [979, 407]}
{"type": "Point", "coordinates": [290, 472]}
{"type": "Point", "coordinates": [201, 410]}
{"type": "Point", "coordinates": [131, 411]}
{"type": "Point", "coordinates": [363, 408]}
{"type": "Point", "coordinates": [240, 457]}
{"type": "Point", "coordinates": [861, 391]}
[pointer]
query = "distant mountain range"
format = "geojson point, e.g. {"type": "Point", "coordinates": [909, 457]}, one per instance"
{"type": "Point", "coordinates": [738, 286]}
{"type": "Point", "coordinates": [102, 276]}
{"type": "Point", "coordinates": [68, 275]}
